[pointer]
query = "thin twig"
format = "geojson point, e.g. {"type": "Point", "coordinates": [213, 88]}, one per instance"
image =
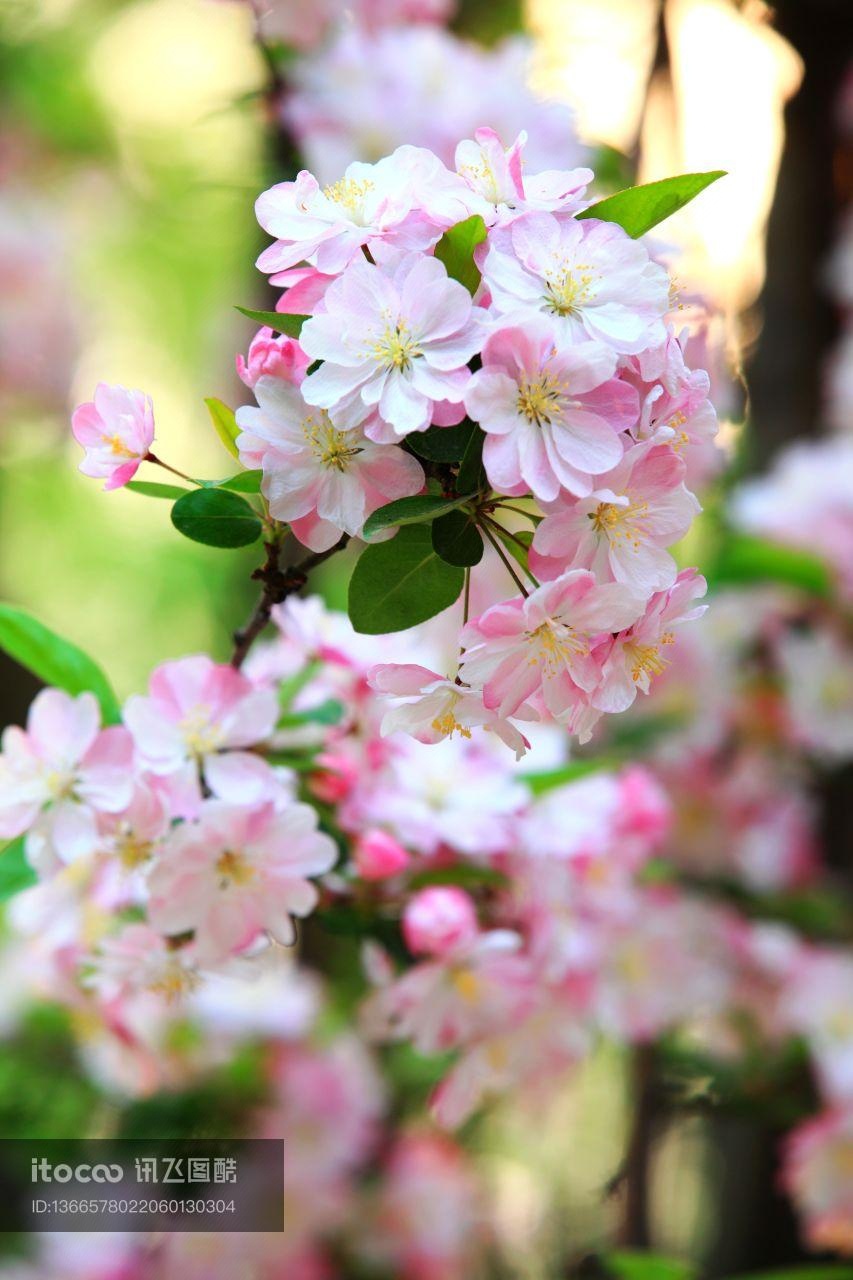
{"type": "Point", "coordinates": [158, 462]}
{"type": "Point", "coordinates": [507, 533]}
{"type": "Point", "coordinates": [278, 584]}
{"type": "Point", "coordinates": [506, 562]}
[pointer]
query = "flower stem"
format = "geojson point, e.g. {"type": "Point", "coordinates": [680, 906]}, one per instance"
{"type": "Point", "coordinates": [501, 556]}
{"type": "Point", "coordinates": [512, 537]}
{"type": "Point", "coordinates": [151, 457]}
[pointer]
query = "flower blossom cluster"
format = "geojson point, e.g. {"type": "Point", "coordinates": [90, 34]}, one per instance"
{"type": "Point", "coordinates": [195, 841]}
{"type": "Point", "coordinates": [564, 360]}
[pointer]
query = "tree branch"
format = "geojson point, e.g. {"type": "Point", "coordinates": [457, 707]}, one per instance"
{"type": "Point", "coordinates": [278, 584]}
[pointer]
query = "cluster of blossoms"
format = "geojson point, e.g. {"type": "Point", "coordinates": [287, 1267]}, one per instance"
{"type": "Point", "coordinates": [176, 847]}
{"type": "Point", "coordinates": [562, 365]}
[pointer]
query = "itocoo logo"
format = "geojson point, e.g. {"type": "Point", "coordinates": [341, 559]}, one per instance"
{"type": "Point", "coordinates": [43, 1171]}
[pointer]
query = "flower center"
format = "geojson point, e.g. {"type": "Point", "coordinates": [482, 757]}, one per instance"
{"type": "Point", "coordinates": [175, 981]}
{"type": "Point", "coordinates": [567, 288]}
{"type": "Point", "coordinates": [612, 521]}
{"type": "Point", "coordinates": [555, 644]}
{"type": "Point", "coordinates": [333, 449]}
{"type": "Point", "coordinates": [60, 784]}
{"type": "Point", "coordinates": [118, 447]}
{"type": "Point", "coordinates": [233, 869]}
{"type": "Point", "coordinates": [539, 399]}
{"type": "Point", "coordinates": [646, 659]}
{"type": "Point", "coordinates": [397, 347]}
{"type": "Point", "coordinates": [349, 194]}
{"type": "Point", "coordinates": [447, 725]}
{"type": "Point", "coordinates": [200, 734]}
{"type": "Point", "coordinates": [467, 985]}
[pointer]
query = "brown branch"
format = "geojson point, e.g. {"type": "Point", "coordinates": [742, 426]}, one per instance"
{"type": "Point", "coordinates": [636, 1228]}
{"type": "Point", "coordinates": [278, 584]}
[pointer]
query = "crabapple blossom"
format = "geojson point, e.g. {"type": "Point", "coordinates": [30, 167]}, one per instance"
{"type": "Point", "coordinates": [545, 644]}
{"type": "Point", "coordinates": [271, 357]}
{"type": "Point", "coordinates": [622, 528]}
{"type": "Point", "coordinates": [377, 856]}
{"type": "Point", "coordinates": [59, 775]}
{"type": "Point", "coordinates": [630, 660]}
{"type": "Point", "coordinates": [372, 206]}
{"type": "Point", "coordinates": [116, 429]}
{"type": "Point", "coordinates": [590, 276]}
{"type": "Point", "coordinates": [816, 1175]}
{"type": "Point", "coordinates": [431, 707]}
{"type": "Point", "coordinates": [198, 716]}
{"type": "Point", "coordinates": [469, 989]}
{"type": "Point", "coordinates": [552, 413]}
{"type": "Point", "coordinates": [439, 920]}
{"type": "Point", "coordinates": [495, 174]}
{"type": "Point", "coordinates": [365, 93]}
{"type": "Point", "coordinates": [394, 342]}
{"type": "Point", "coordinates": [236, 874]}
{"type": "Point", "coordinates": [324, 481]}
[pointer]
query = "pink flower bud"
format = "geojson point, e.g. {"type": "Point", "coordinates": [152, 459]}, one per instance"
{"type": "Point", "coordinates": [378, 856]}
{"type": "Point", "coordinates": [439, 920]}
{"type": "Point", "coordinates": [335, 778]}
{"type": "Point", "coordinates": [271, 357]}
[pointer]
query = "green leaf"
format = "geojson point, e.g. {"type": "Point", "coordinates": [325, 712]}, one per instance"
{"type": "Point", "coordinates": [442, 444]}
{"type": "Point", "coordinates": [456, 250]}
{"type": "Point", "coordinates": [417, 510]}
{"type": "Point", "coordinates": [224, 423]}
{"type": "Point", "coordinates": [15, 872]}
{"type": "Point", "coordinates": [329, 712]}
{"type": "Point", "coordinates": [464, 874]}
{"type": "Point", "coordinates": [243, 482]}
{"type": "Point", "coordinates": [278, 321]}
{"type": "Point", "coordinates": [216, 518]}
{"type": "Point", "coordinates": [638, 209]}
{"type": "Point", "coordinates": [456, 539]}
{"type": "Point", "coordinates": [629, 1264]}
{"type": "Point", "coordinates": [400, 583]}
{"type": "Point", "coordinates": [743, 558]}
{"type": "Point", "coordinates": [54, 660]}
{"type": "Point", "coordinates": [153, 490]}
{"type": "Point", "coordinates": [550, 779]}
{"type": "Point", "coordinates": [471, 476]}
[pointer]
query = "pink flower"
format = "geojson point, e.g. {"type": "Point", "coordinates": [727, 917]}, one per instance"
{"type": "Point", "coordinates": [675, 406]}
{"type": "Point", "coordinates": [630, 660]}
{"type": "Point", "coordinates": [591, 276]}
{"type": "Point", "coordinates": [469, 990]}
{"type": "Point", "coordinates": [117, 430]}
{"type": "Point", "coordinates": [270, 357]}
{"type": "Point", "coordinates": [138, 958]}
{"type": "Point", "coordinates": [621, 529]}
{"type": "Point", "coordinates": [496, 175]}
{"type": "Point", "coordinates": [199, 715]}
{"type": "Point", "coordinates": [394, 342]}
{"type": "Point", "coordinates": [438, 921]}
{"type": "Point", "coordinates": [323, 481]}
{"type": "Point", "coordinates": [431, 707]}
{"type": "Point", "coordinates": [237, 874]}
{"type": "Point", "coordinates": [816, 1174]}
{"type": "Point", "coordinates": [552, 413]}
{"type": "Point", "coordinates": [372, 205]}
{"type": "Point", "coordinates": [378, 856]}
{"type": "Point", "coordinates": [59, 775]}
{"type": "Point", "coordinates": [543, 645]}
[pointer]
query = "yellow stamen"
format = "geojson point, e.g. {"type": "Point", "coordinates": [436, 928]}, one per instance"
{"type": "Point", "coordinates": [555, 644]}
{"type": "Point", "coordinates": [614, 522]}
{"type": "Point", "coordinates": [569, 287]}
{"type": "Point", "coordinates": [539, 399]}
{"type": "Point", "coordinates": [397, 348]}
{"type": "Point", "coordinates": [348, 193]}
{"type": "Point", "coordinates": [331, 447]}
{"type": "Point", "coordinates": [199, 734]}
{"type": "Point", "coordinates": [233, 868]}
